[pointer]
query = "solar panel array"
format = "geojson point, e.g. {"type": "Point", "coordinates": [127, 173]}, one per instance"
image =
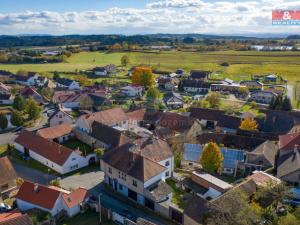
{"type": "Point", "coordinates": [192, 152]}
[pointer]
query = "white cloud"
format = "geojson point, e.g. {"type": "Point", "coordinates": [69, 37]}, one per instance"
{"type": "Point", "coordinates": [161, 16]}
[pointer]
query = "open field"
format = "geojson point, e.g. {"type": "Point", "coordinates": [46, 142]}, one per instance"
{"type": "Point", "coordinates": [242, 63]}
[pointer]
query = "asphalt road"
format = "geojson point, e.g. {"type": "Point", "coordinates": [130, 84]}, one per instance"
{"type": "Point", "coordinates": [93, 181]}
{"type": "Point", "coordinates": [32, 175]}
{"type": "Point", "coordinates": [9, 137]}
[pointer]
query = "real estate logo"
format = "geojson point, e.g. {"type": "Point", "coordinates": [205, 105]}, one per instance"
{"type": "Point", "coordinates": [286, 17]}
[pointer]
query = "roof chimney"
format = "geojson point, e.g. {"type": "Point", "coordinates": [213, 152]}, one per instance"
{"type": "Point", "coordinates": [295, 149]}
{"type": "Point", "coordinates": [36, 188]}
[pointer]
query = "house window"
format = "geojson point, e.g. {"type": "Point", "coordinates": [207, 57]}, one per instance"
{"type": "Point", "coordinates": [120, 187]}
{"type": "Point", "coordinates": [167, 163]}
{"type": "Point", "coordinates": [109, 170]}
{"type": "Point", "coordinates": [167, 173]}
{"type": "Point", "coordinates": [73, 159]}
{"type": "Point", "coordinates": [134, 183]}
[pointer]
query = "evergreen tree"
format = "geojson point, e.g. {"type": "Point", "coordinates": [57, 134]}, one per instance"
{"type": "Point", "coordinates": [17, 119]}
{"type": "Point", "coordinates": [33, 109]}
{"type": "Point", "coordinates": [19, 103]}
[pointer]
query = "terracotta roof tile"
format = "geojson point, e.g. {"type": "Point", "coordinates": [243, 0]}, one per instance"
{"type": "Point", "coordinates": [55, 131]}
{"type": "Point", "coordinates": [133, 164]}
{"type": "Point", "coordinates": [108, 117]}
{"type": "Point", "coordinates": [39, 195]}
{"type": "Point", "coordinates": [50, 150]}
{"type": "Point", "coordinates": [14, 218]}
{"type": "Point", "coordinates": [75, 197]}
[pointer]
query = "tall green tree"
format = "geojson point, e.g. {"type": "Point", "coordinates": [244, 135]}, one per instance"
{"type": "Point", "coordinates": [17, 119]}
{"type": "Point", "coordinates": [3, 121]}
{"type": "Point", "coordinates": [19, 103]}
{"type": "Point", "coordinates": [125, 60]}
{"type": "Point", "coordinates": [211, 158]}
{"type": "Point", "coordinates": [286, 104]}
{"type": "Point", "coordinates": [214, 100]}
{"type": "Point", "coordinates": [33, 109]}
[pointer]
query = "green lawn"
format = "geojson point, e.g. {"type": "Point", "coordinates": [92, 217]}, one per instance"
{"type": "Point", "coordinates": [88, 218]}
{"type": "Point", "coordinates": [177, 194]}
{"type": "Point", "coordinates": [75, 143]}
{"type": "Point", "coordinates": [242, 63]}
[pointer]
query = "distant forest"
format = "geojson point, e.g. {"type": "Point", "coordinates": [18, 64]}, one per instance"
{"type": "Point", "coordinates": [167, 39]}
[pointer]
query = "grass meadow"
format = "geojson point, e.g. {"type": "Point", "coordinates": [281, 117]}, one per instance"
{"type": "Point", "coordinates": [242, 63]}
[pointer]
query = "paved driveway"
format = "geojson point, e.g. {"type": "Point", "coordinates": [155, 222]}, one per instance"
{"type": "Point", "coordinates": [88, 180]}
{"type": "Point", "coordinates": [32, 175]}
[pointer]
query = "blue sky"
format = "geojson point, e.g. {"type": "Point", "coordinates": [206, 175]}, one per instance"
{"type": "Point", "coordinates": [141, 16]}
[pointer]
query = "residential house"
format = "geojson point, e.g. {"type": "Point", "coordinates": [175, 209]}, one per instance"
{"type": "Point", "coordinates": [206, 185]}
{"type": "Point", "coordinates": [271, 78]}
{"type": "Point", "coordinates": [41, 81]}
{"type": "Point", "coordinates": [288, 159]}
{"type": "Point", "coordinates": [67, 99]}
{"type": "Point", "coordinates": [108, 137]}
{"type": "Point", "coordinates": [6, 99]}
{"type": "Point", "coordinates": [30, 92]}
{"type": "Point", "coordinates": [200, 75]}
{"type": "Point", "coordinates": [263, 97]}
{"type": "Point", "coordinates": [231, 140]}
{"type": "Point", "coordinates": [110, 117]}
{"type": "Point", "coordinates": [99, 100]}
{"type": "Point", "coordinates": [58, 133]}
{"type": "Point", "coordinates": [216, 119]}
{"type": "Point", "coordinates": [137, 177]}
{"type": "Point", "coordinates": [252, 85]}
{"type": "Point", "coordinates": [60, 116]}
{"type": "Point", "coordinates": [51, 154]}
{"type": "Point", "coordinates": [199, 209]}
{"type": "Point", "coordinates": [100, 71]}
{"type": "Point", "coordinates": [227, 85]}
{"type": "Point", "coordinates": [50, 199]}
{"type": "Point", "coordinates": [111, 69]}
{"type": "Point", "coordinates": [168, 83]}
{"type": "Point", "coordinates": [180, 72]}
{"type": "Point", "coordinates": [4, 89]}
{"type": "Point", "coordinates": [67, 83]}
{"type": "Point", "coordinates": [29, 79]}
{"type": "Point", "coordinates": [8, 176]}
{"type": "Point", "coordinates": [192, 154]}
{"type": "Point", "coordinates": [173, 100]}
{"type": "Point", "coordinates": [50, 84]}
{"type": "Point", "coordinates": [261, 158]}
{"type": "Point", "coordinates": [15, 218]}
{"type": "Point", "coordinates": [195, 86]}
{"type": "Point", "coordinates": [5, 74]}
{"type": "Point", "coordinates": [288, 168]}
{"type": "Point", "coordinates": [133, 90]}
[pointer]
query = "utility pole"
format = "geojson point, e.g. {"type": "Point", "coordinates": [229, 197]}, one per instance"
{"type": "Point", "coordinates": [99, 209]}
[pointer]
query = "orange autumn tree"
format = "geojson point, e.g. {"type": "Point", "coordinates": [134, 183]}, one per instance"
{"type": "Point", "coordinates": [211, 158]}
{"type": "Point", "coordinates": [249, 124]}
{"type": "Point", "coordinates": [143, 76]}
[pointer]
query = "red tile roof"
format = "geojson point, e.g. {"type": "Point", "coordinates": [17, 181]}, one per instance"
{"type": "Point", "coordinates": [55, 131]}
{"type": "Point", "coordinates": [137, 115]}
{"type": "Point", "coordinates": [107, 117]}
{"type": "Point", "coordinates": [289, 141]}
{"type": "Point", "coordinates": [7, 171]}
{"type": "Point", "coordinates": [14, 218]}
{"type": "Point", "coordinates": [75, 198]}
{"type": "Point", "coordinates": [38, 195]}
{"type": "Point", "coordinates": [50, 150]}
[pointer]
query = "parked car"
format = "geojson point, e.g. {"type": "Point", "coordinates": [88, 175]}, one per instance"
{"type": "Point", "coordinates": [4, 207]}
